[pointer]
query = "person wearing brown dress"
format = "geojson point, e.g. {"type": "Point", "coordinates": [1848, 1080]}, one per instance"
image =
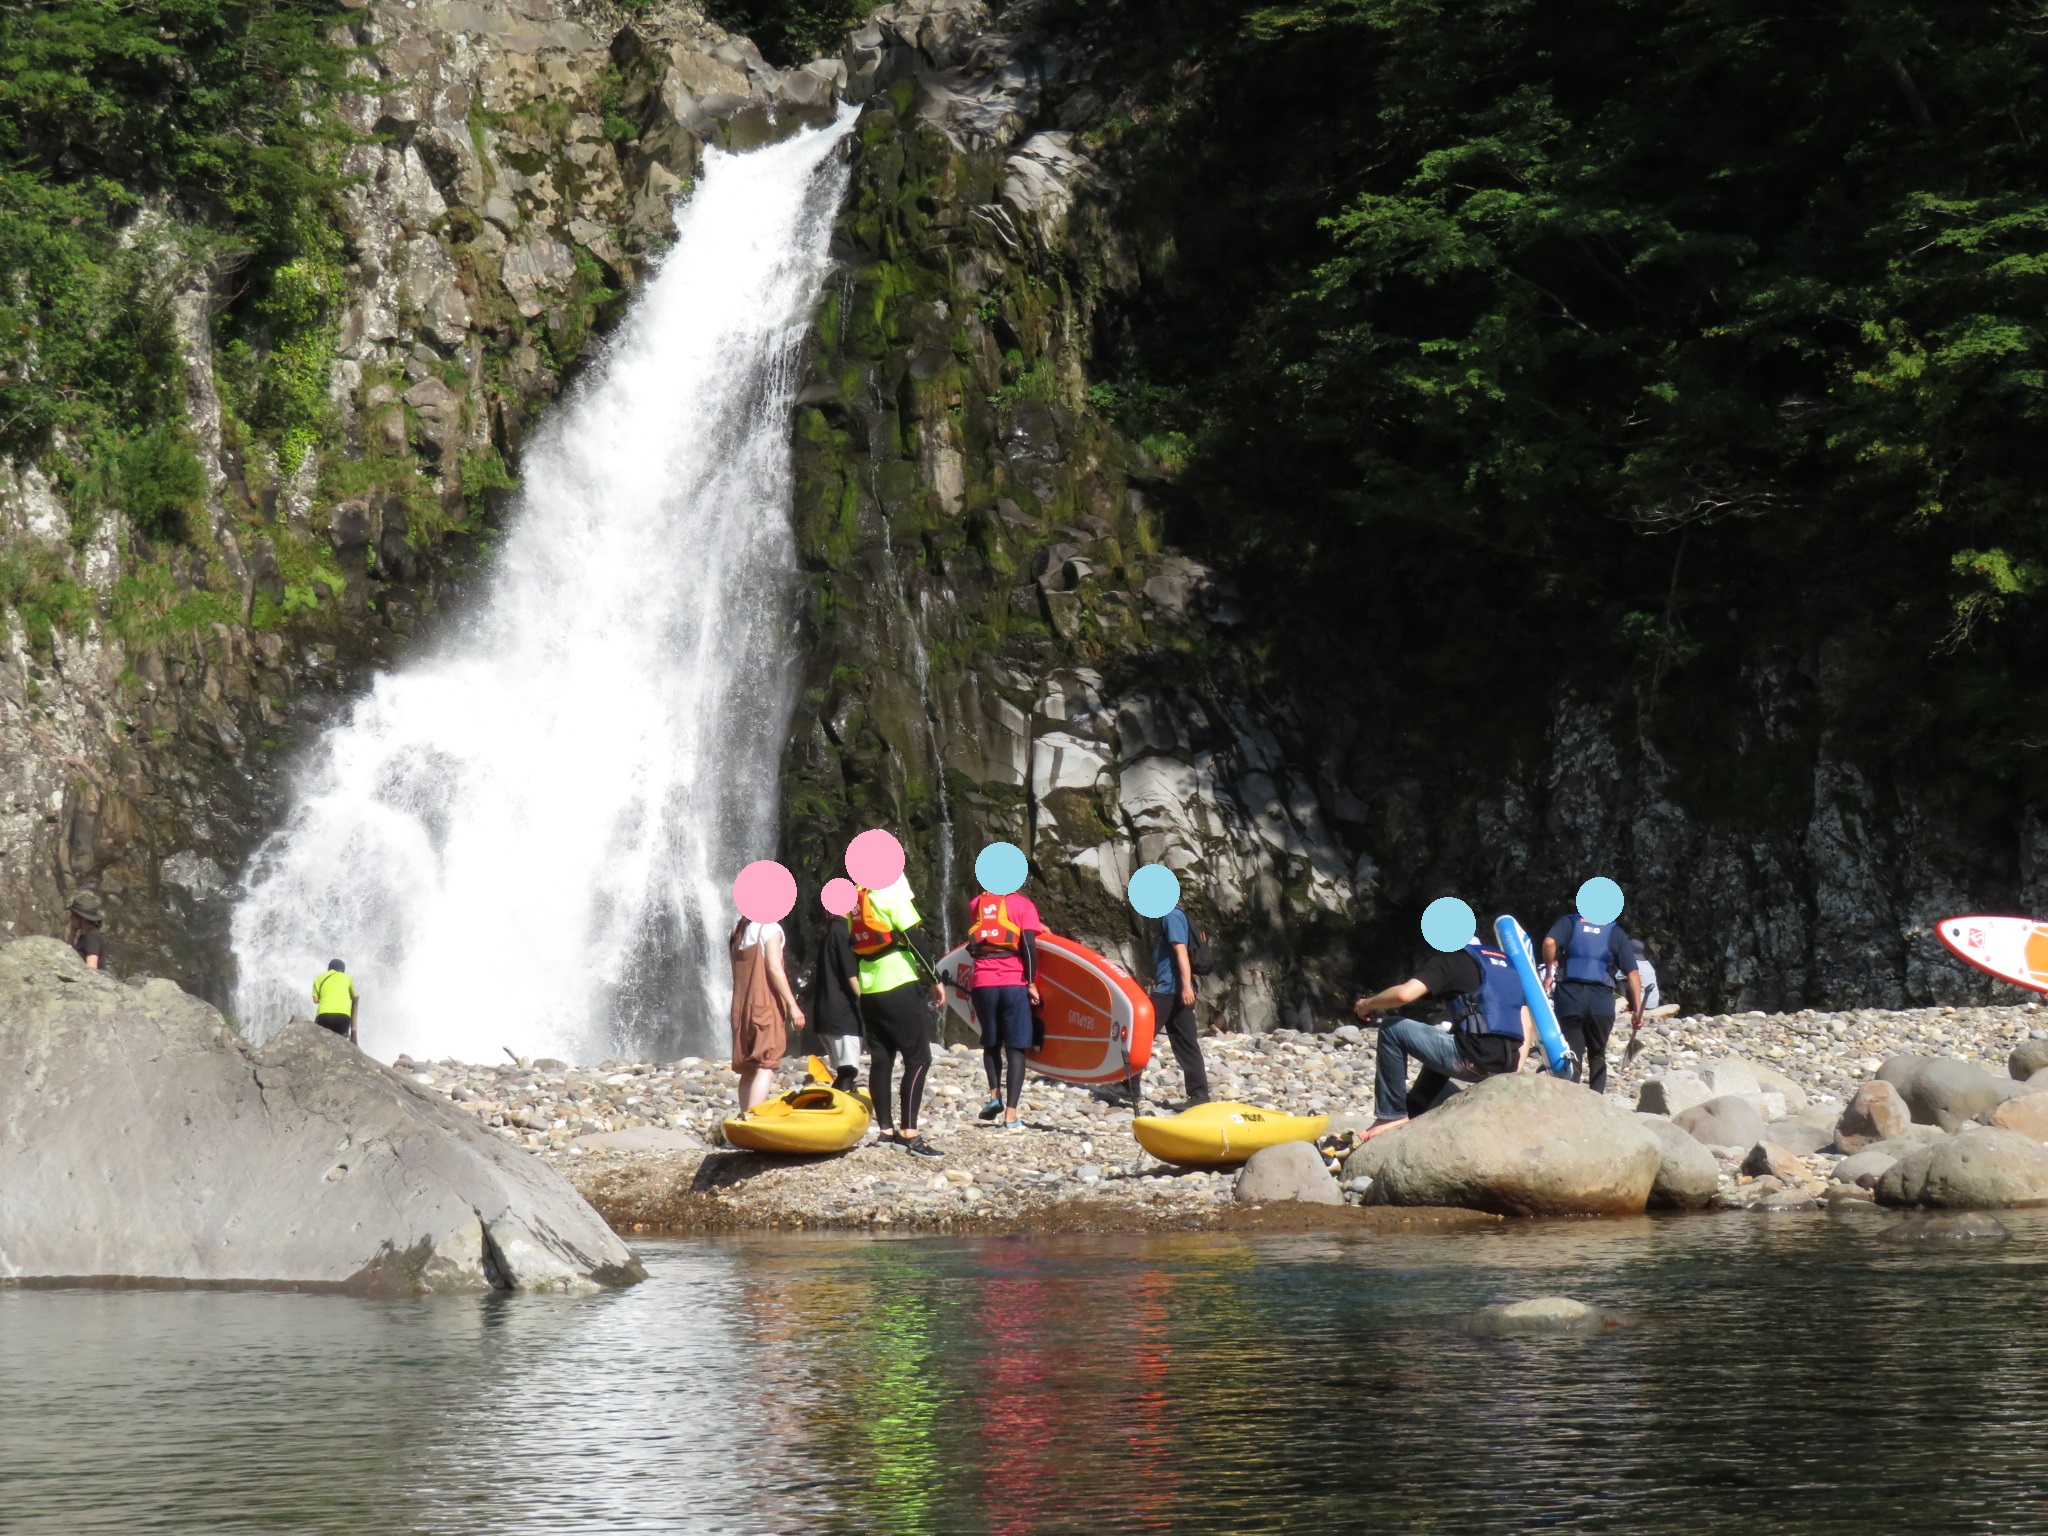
{"type": "Point", "coordinates": [764, 1008]}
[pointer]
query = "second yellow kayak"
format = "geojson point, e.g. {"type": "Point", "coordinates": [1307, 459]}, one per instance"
{"type": "Point", "coordinates": [808, 1120]}
{"type": "Point", "coordinates": [1218, 1135]}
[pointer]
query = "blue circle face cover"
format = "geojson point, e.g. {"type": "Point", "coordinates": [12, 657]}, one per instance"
{"type": "Point", "coordinates": [1448, 924]}
{"type": "Point", "coordinates": [1001, 868]}
{"type": "Point", "coordinates": [1154, 890]}
{"type": "Point", "coordinates": [1600, 900]}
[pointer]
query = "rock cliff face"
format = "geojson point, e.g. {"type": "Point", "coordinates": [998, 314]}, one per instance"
{"type": "Point", "coordinates": [999, 637]}
{"type": "Point", "coordinates": [518, 163]}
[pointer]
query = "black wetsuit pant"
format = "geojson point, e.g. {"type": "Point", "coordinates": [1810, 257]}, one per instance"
{"type": "Point", "coordinates": [340, 1023]}
{"type": "Point", "coordinates": [1176, 1020]}
{"type": "Point", "coordinates": [1585, 1016]}
{"type": "Point", "coordinates": [898, 1023]}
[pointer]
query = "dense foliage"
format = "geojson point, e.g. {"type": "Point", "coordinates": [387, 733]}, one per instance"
{"type": "Point", "coordinates": [1686, 355]}
{"type": "Point", "coordinates": [791, 31]}
{"type": "Point", "coordinates": [141, 140]}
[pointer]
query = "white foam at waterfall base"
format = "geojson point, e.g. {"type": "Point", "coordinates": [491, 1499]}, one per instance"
{"type": "Point", "coordinates": [525, 837]}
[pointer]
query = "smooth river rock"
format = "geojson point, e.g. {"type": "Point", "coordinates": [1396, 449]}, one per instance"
{"type": "Point", "coordinates": [1672, 1094]}
{"type": "Point", "coordinates": [1799, 1136]}
{"type": "Point", "coordinates": [2028, 1115]}
{"type": "Point", "coordinates": [1949, 1093]}
{"type": "Point", "coordinates": [1724, 1122]}
{"type": "Point", "coordinates": [1987, 1170]}
{"type": "Point", "coordinates": [1688, 1175]}
{"type": "Point", "coordinates": [1540, 1314]}
{"type": "Point", "coordinates": [145, 1141]}
{"type": "Point", "coordinates": [1294, 1170]}
{"type": "Point", "coordinates": [1520, 1145]}
{"type": "Point", "coordinates": [2027, 1058]}
{"type": "Point", "coordinates": [1875, 1112]}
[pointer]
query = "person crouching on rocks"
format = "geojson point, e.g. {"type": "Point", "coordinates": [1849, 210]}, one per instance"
{"type": "Point", "coordinates": [82, 928]}
{"type": "Point", "coordinates": [1461, 1015]}
{"type": "Point", "coordinates": [335, 1000]}
{"type": "Point", "coordinates": [764, 1008]}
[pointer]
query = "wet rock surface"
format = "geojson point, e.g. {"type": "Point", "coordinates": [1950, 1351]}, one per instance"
{"type": "Point", "coordinates": [146, 1142]}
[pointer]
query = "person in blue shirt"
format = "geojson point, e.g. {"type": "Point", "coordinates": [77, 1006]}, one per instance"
{"type": "Point", "coordinates": [1173, 1012]}
{"type": "Point", "coordinates": [1588, 957]}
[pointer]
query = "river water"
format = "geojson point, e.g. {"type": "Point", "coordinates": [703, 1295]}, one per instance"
{"type": "Point", "coordinates": [1779, 1374]}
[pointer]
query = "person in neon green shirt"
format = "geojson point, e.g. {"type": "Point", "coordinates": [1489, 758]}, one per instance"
{"type": "Point", "coordinates": [335, 999]}
{"type": "Point", "coordinates": [893, 1009]}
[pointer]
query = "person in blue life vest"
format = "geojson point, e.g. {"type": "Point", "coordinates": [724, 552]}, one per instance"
{"type": "Point", "coordinates": [335, 999]}
{"type": "Point", "coordinates": [1589, 956]}
{"type": "Point", "coordinates": [1461, 1015]}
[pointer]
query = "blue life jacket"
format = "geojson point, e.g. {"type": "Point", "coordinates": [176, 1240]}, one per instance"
{"type": "Point", "coordinates": [1496, 1008]}
{"type": "Point", "coordinates": [1586, 958]}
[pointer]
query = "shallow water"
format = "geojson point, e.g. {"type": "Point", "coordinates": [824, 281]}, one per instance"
{"type": "Point", "coordinates": [1780, 1374]}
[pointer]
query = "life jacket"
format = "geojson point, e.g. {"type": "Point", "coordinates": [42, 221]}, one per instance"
{"type": "Point", "coordinates": [992, 934]}
{"type": "Point", "coordinates": [871, 931]}
{"type": "Point", "coordinates": [1496, 1008]}
{"type": "Point", "coordinates": [1586, 957]}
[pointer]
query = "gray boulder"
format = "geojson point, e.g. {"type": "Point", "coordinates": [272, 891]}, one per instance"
{"type": "Point", "coordinates": [1731, 1076]}
{"type": "Point", "coordinates": [1671, 1093]}
{"type": "Point", "coordinates": [2027, 1058]}
{"type": "Point", "coordinates": [1988, 1170]}
{"type": "Point", "coordinates": [1875, 1112]}
{"type": "Point", "coordinates": [1798, 1136]}
{"type": "Point", "coordinates": [1899, 1071]}
{"type": "Point", "coordinates": [1773, 1081]}
{"type": "Point", "coordinates": [146, 1141]}
{"type": "Point", "coordinates": [1687, 1173]}
{"type": "Point", "coordinates": [1520, 1144]}
{"type": "Point", "coordinates": [1541, 1314]}
{"type": "Point", "coordinates": [1865, 1168]}
{"type": "Point", "coordinates": [1949, 1093]}
{"type": "Point", "coordinates": [2027, 1114]}
{"type": "Point", "coordinates": [1766, 1160]}
{"type": "Point", "coordinates": [1724, 1122]}
{"type": "Point", "coordinates": [1294, 1170]}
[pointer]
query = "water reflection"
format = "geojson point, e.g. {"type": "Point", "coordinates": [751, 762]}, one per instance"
{"type": "Point", "coordinates": [1791, 1375]}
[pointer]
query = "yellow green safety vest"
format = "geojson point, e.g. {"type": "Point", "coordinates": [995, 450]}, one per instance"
{"type": "Point", "coordinates": [334, 992]}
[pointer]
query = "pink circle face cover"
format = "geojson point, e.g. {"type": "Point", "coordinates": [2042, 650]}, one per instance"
{"type": "Point", "coordinates": [764, 892]}
{"type": "Point", "coordinates": [874, 859]}
{"type": "Point", "coordinates": [840, 896]}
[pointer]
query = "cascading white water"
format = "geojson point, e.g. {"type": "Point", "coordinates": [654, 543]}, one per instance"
{"type": "Point", "coordinates": [527, 837]}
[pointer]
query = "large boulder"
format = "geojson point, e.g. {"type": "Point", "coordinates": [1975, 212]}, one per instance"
{"type": "Point", "coordinates": [146, 1141]}
{"type": "Point", "coordinates": [1875, 1112]}
{"type": "Point", "coordinates": [1773, 1081]}
{"type": "Point", "coordinates": [1688, 1176]}
{"type": "Point", "coordinates": [1293, 1170]}
{"type": "Point", "coordinates": [2028, 1115]}
{"type": "Point", "coordinates": [1521, 1144]}
{"type": "Point", "coordinates": [2027, 1058]}
{"type": "Point", "coordinates": [1798, 1136]}
{"type": "Point", "coordinates": [1672, 1093]}
{"type": "Point", "coordinates": [1899, 1071]}
{"type": "Point", "coordinates": [1987, 1170]}
{"type": "Point", "coordinates": [1732, 1076]}
{"type": "Point", "coordinates": [1950, 1093]}
{"type": "Point", "coordinates": [1724, 1122]}
{"type": "Point", "coordinates": [1865, 1168]}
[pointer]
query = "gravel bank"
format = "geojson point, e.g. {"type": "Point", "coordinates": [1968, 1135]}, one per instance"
{"type": "Point", "coordinates": [638, 1138]}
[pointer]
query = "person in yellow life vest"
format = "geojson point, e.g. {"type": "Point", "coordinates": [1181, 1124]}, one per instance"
{"type": "Point", "coordinates": [1002, 936]}
{"type": "Point", "coordinates": [334, 1000]}
{"type": "Point", "coordinates": [898, 991]}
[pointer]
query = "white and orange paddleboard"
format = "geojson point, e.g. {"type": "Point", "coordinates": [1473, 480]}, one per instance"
{"type": "Point", "coordinates": [1098, 1020]}
{"type": "Point", "coordinates": [2013, 949]}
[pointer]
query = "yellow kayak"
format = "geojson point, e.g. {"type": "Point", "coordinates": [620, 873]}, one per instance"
{"type": "Point", "coordinates": [1222, 1134]}
{"type": "Point", "coordinates": [811, 1119]}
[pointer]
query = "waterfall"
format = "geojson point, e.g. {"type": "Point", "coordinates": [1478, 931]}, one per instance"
{"type": "Point", "coordinates": [526, 835]}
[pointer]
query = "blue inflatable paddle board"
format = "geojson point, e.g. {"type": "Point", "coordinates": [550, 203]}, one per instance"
{"type": "Point", "coordinates": [1515, 945]}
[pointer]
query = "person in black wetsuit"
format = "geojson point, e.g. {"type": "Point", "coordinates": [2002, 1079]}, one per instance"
{"type": "Point", "coordinates": [835, 1002]}
{"type": "Point", "coordinates": [898, 991]}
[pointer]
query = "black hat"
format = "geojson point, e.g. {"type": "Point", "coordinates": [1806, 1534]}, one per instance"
{"type": "Point", "coordinates": [336, 965]}
{"type": "Point", "coordinates": [87, 906]}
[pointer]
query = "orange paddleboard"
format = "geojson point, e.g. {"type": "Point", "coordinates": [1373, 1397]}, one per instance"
{"type": "Point", "coordinates": [1098, 1020]}
{"type": "Point", "coordinates": [2013, 949]}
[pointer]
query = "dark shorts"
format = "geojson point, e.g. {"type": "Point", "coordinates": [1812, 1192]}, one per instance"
{"type": "Point", "coordinates": [338, 1022]}
{"type": "Point", "coordinates": [1004, 1014]}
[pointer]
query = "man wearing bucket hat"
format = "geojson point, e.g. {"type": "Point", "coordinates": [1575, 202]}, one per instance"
{"type": "Point", "coordinates": [82, 931]}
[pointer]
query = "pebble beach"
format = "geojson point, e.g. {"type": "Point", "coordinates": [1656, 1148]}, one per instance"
{"type": "Point", "coordinates": [641, 1139]}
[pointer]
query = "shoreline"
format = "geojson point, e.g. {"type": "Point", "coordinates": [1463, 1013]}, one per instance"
{"type": "Point", "coordinates": [637, 1138]}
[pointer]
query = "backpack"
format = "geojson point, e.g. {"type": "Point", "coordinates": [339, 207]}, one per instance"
{"type": "Point", "coordinates": [1201, 958]}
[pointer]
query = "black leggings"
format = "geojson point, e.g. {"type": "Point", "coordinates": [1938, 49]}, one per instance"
{"type": "Point", "coordinates": [898, 1024]}
{"type": "Point", "coordinates": [992, 1059]}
